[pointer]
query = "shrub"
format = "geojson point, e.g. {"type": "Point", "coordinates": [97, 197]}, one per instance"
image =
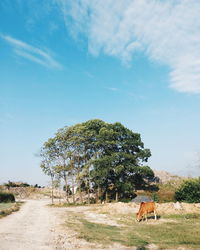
{"type": "Point", "coordinates": [7, 197]}
{"type": "Point", "coordinates": [189, 191]}
{"type": "Point", "coordinates": [16, 184]}
{"type": "Point", "coordinates": [155, 197]}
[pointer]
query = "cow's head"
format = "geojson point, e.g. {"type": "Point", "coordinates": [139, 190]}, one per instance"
{"type": "Point", "coordinates": [138, 217]}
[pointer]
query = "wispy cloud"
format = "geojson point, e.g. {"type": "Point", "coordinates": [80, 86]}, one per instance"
{"type": "Point", "coordinates": [166, 31]}
{"type": "Point", "coordinates": [112, 89]}
{"type": "Point", "coordinates": [31, 53]}
{"type": "Point", "coordinates": [88, 74]}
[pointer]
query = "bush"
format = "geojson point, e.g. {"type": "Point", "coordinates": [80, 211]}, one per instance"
{"type": "Point", "coordinates": [155, 197]}
{"type": "Point", "coordinates": [7, 197]}
{"type": "Point", "coordinates": [16, 184]}
{"type": "Point", "coordinates": [189, 191]}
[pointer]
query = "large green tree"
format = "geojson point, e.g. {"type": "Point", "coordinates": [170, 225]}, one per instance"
{"type": "Point", "coordinates": [106, 157]}
{"type": "Point", "coordinates": [120, 166]}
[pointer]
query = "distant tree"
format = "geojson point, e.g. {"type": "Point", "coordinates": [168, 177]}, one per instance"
{"type": "Point", "coordinates": [9, 184]}
{"type": "Point", "coordinates": [189, 191]}
{"type": "Point", "coordinates": [23, 184]}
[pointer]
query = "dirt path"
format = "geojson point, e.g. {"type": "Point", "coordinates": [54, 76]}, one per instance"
{"type": "Point", "coordinates": [39, 227]}
{"type": "Point", "coordinates": [32, 227]}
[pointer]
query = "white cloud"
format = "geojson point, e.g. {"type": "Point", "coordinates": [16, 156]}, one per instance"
{"type": "Point", "coordinates": [166, 31]}
{"type": "Point", "coordinates": [31, 53]}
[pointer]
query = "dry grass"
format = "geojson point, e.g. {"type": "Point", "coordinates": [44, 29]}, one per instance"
{"type": "Point", "coordinates": [170, 231]}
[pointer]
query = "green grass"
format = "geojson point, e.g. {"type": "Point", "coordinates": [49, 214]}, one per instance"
{"type": "Point", "coordinates": [100, 233]}
{"type": "Point", "coordinates": [8, 208]}
{"type": "Point", "coordinates": [4, 206]}
{"type": "Point", "coordinates": [172, 232]}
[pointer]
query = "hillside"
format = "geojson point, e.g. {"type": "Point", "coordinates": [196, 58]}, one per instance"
{"type": "Point", "coordinates": [166, 176]}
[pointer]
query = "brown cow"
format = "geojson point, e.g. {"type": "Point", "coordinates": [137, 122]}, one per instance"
{"type": "Point", "coordinates": [145, 208]}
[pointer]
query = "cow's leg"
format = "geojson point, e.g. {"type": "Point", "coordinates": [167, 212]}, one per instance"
{"type": "Point", "coordinates": [155, 215]}
{"type": "Point", "coordinates": [146, 216]}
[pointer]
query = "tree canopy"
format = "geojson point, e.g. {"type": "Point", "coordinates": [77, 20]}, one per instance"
{"type": "Point", "coordinates": [99, 156]}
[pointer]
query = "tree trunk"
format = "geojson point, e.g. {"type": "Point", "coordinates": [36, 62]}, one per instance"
{"type": "Point", "coordinates": [52, 199]}
{"type": "Point", "coordinates": [97, 194]}
{"type": "Point", "coordinates": [88, 192]}
{"type": "Point", "coordinates": [59, 194]}
{"type": "Point", "coordinates": [73, 195]}
{"type": "Point", "coordinates": [80, 193]}
{"type": "Point", "coordinates": [79, 182]}
{"type": "Point", "coordinates": [106, 197]}
{"type": "Point", "coordinates": [116, 196]}
{"type": "Point", "coordinates": [66, 187]}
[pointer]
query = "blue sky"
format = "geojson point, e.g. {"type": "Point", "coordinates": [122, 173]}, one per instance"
{"type": "Point", "coordinates": [64, 62]}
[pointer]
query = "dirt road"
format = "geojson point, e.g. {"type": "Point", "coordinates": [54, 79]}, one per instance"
{"type": "Point", "coordinates": [37, 226]}
{"type": "Point", "coordinates": [33, 227]}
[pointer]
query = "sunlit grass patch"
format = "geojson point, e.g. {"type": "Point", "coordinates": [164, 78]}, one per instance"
{"type": "Point", "coordinates": [4, 206]}
{"type": "Point", "coordinates": [103, 234]}
{"type": "Point", "coordinates": [8, 208]}
{"type": "Point", "coordinates": [171, 231]}
{"type": "Point", "coordinates": [193, 216]}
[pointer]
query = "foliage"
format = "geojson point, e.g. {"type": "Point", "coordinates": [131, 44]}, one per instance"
{"type": "Point", "coordinates": [189, 191]}
{"type": "Point", "coordinates": [10, 184]}
{"type": "Point", "coordinates": [96, 155]}
{"type": "Point", "coordinates": [67, 189]}
{"type": "Point", "coordinates": [155, 197]}
{"type": "Point", "coordinates": [37, 186]}
{"type": "Point", "coordinates": [7, 197]}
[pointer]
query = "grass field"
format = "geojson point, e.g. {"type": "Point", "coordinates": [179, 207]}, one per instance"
{"type": "Point", "coordinates": [171, 232]}
{"type": "Point", "coordinates": [8, 208]}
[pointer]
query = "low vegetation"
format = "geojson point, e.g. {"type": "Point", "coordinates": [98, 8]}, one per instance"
{"type": "Point", "coordinates": [170, 231]}
{"type": "Point", "coordinates": [6, 197]}
{"type": "Point", "coordinates": [189, 191]}
{"type": "Point", "coordinates": [8, 208]}
{"type": "Point", "coordinates": [166, 191]}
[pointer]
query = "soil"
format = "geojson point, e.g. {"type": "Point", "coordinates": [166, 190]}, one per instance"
{"type": "Point", "coordinates": [30, 228]}
{"type": "Point", "coordinates": [39, 226]}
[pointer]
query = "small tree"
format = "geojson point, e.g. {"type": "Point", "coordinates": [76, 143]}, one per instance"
{"type": "Point", "coordinates": [50, 171]}
{"type": "Point", "coordinates": [49, 153]}
{"type": "Point", "coordinates": [189, 191]}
